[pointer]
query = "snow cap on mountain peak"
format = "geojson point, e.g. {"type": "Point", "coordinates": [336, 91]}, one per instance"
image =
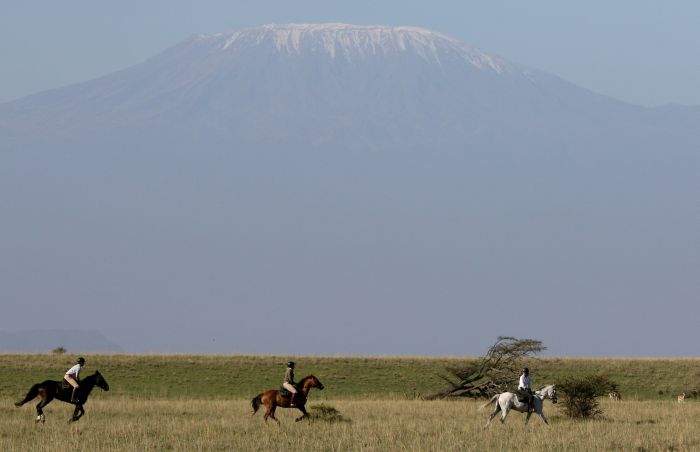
{"type": "Point", "coordinates": [355, 41]}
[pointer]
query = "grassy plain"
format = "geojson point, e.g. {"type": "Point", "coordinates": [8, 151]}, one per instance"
{"type": "Point", "coordinates": [203, 403]}
{"type": "Point", "coordinates": [126, 424]}
{"type": "Point", "coordinates": [241, 377]}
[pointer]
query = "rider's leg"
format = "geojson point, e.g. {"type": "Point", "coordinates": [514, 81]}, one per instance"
{"type": "Point", "coordinates": [74, 383]}
{"type": "Point", "coordinates": [289, 387]}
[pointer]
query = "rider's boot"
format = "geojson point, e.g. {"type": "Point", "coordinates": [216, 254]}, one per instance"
{"type": "Point", "coordinates": [291, 403]}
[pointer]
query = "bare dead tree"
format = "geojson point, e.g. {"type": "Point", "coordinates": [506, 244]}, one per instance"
{"type": "Point", "coordinates": [492, 373]}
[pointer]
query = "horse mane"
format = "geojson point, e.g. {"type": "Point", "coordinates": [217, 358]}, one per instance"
{"type": "Point", "coordinates": [92, 377]}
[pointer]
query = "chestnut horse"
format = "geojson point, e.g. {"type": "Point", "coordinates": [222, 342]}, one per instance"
{"type": "Point", "coordinates": [273, 399]}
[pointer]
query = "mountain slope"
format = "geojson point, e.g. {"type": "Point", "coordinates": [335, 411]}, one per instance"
{"type": "Point", "coordinates": [317, 85]}
{"type": "Point", "coordinates": [349, 189]}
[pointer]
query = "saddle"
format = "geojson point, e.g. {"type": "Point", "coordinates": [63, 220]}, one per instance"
{"type": "Point", "coordinates": [523, 395]}
{"type": "Point", "coordinates": [284, 392]}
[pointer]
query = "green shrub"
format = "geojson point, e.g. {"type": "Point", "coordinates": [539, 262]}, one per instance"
{"type": "Point", "coordinates": [59, 350]}
{"type": "Point", "coordinates": [326, 413]}
{"type": "Point", "coordinates": [581, 394]}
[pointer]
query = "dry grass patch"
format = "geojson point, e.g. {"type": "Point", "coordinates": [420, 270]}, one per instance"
{"type": "Point", "coordinates": [125, 424]}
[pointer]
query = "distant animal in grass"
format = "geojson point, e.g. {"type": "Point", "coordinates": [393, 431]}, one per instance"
{"type": "Point", "coordinates": [681, 397]}
{"type": "Point", "coordinates": [614, 395]}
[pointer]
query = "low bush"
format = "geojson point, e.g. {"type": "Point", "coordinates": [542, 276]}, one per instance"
{"type": "Point", "coordinates": [581, 394]}
{"type": "Point", "coordinates": [326, 413]}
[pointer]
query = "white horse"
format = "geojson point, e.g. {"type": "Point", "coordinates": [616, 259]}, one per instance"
{"type": "Point", "coordinates": [508, 401]}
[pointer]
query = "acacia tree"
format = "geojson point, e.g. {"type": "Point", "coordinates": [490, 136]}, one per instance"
{"type": "Point", "coordinates": [493, 372]}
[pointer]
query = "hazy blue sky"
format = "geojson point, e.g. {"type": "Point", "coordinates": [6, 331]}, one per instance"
{"type": "Point", "coordinates": [640, 51]}
{"type": "Point", "coordinates": [278, 208]}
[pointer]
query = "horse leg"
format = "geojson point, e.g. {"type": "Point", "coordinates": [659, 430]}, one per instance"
{"type": "Point", "coordinates": [272, 414]}
{"type": "Point", "coordinates": [506, 410]}
{"type": "Point", "coordinates": [77, 413]}
{"type": "Point", "coordinates": [39, 413]}
{"type": "Point", "coordinates": [303, 410]}
{"type": "Point", "coordinates": [527, 418]}
{"type": "Point", "coordinates": [493, 415]}
{"type": "Point", "coordinates": [40, 417]}
{"type": "Point", "coordinates": [542, 416]}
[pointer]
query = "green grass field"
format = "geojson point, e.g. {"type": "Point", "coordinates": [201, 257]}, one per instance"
{"type": "Point", "coordinates": [241, 377]}
{"type": "Point", "coordinates": [203, 403]}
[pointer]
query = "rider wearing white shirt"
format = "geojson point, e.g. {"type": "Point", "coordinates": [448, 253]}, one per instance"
{"type": "Point", "coordinates": [72, 376]}
{"type": "Point", "coordinates": [524, 387]}
{"type": "Point", "coordinates": [524, 380]}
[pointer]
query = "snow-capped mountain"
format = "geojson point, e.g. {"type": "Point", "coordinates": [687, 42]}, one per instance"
{"type": "Point", "coordinates": [362, 87]}
{"type": "Point", "coordinates": [349, 189]}
{"type": "Point", "coordinates": [352, 42]}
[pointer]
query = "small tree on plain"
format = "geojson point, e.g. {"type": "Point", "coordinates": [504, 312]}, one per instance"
{"type": "Point", "coordinates": [581, 394]}
{"type": "Point", "coordinates": [59, 350]}
{"type": "Point", "coordinates": [493, 372]}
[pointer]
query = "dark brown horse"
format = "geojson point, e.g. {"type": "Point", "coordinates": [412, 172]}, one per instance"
{"type": "Point", "coordinates": [50, 389]}
{"type": "Point", "coordinates": [273, 399]}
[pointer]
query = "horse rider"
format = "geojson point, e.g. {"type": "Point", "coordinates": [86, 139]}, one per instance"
{"type": "Point", "coordinates": [72, 377]}
{"type": "Point", "coordinates": [289, 383]}
{"type": "Point", "coordinates": [524, 388]}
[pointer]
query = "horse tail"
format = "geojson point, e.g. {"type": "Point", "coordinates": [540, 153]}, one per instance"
{"type": "Point", "coordinates": [256, 402]}
{"type": "Point", "coordinates": [493, 399]}
{"type": "Point", "coordinates": [33, 392]}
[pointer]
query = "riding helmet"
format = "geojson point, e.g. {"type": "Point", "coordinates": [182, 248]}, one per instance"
{"type": "Point", "coordinates": [80, 361]}
{"type": "Point", "coordinates": [526, 370]}
{"type": "Point", "coordinates": [291, 364]}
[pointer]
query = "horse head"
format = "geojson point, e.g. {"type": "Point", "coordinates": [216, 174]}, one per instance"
{"type": "Point", "coordinates": [312, 382]}
{"type": "Point", "coordinates": [548, 392]}
{"type": "Point", "coordinates": [100, 381]}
